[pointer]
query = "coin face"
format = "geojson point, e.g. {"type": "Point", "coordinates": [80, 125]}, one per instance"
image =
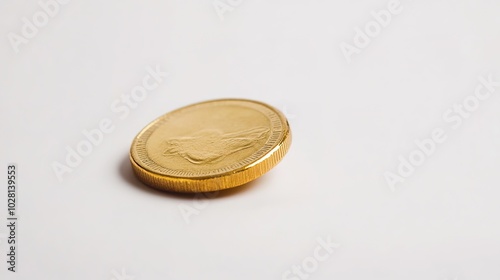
{"type": "Point", "coordinates": [210, 146]}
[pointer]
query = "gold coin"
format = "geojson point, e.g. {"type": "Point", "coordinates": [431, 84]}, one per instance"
{"type": "Point", "coordinates": [210, 146]}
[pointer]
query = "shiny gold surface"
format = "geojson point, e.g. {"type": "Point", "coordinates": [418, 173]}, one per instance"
{"type": "Point", "coordinates": [210, 146]}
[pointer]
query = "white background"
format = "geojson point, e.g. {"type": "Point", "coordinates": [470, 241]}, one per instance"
{"type": "Point", "coordinates": [350, 123]}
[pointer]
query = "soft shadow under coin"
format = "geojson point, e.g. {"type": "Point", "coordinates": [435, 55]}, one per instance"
{"type": "Point", "coordinates": [126, 172]}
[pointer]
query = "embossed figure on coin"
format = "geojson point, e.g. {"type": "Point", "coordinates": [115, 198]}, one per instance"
{"type": "Point", "coordinates": [211, 145]}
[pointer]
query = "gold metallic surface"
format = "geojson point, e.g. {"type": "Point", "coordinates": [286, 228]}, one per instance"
{"type": "Point", "coordinates": [210, 146]}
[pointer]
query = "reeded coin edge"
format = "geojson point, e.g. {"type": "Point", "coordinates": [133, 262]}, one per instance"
{"type": "Point", "coordinates": [220, 182]}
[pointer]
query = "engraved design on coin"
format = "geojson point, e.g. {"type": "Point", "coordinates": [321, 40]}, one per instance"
{"type": "Point", "coordinates": [211, 145]}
